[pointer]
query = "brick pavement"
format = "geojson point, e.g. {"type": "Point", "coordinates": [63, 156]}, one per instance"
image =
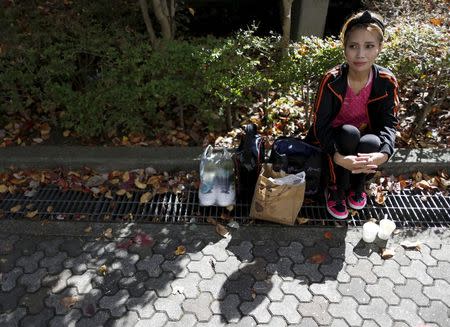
{"type": "Point", "coordinates": [56, 274]}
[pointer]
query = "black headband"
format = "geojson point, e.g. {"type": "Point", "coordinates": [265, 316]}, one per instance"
{"type": "Point", "coordinates": [365, 18]}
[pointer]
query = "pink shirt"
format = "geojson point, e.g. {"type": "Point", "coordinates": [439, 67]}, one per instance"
{"type": "Point", "coordinates": [354, 108]}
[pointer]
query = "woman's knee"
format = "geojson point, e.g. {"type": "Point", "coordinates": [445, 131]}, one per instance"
{"type": "Point", "coordinates": [347, 139]}
{"type": "Point", "coordinates": [369, 143]}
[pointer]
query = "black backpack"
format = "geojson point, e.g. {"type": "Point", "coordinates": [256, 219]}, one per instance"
{"type": "Point", "coordinates": [248, 160]}
{"type": "Point", "coordinates": [292, 155]}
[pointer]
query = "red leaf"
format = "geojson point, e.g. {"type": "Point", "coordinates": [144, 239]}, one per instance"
{"type": "Point", "coordinates": [143, 239]}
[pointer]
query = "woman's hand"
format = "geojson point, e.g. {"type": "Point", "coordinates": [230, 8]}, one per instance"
{"type": "Point", "coordinates": [365, 163]}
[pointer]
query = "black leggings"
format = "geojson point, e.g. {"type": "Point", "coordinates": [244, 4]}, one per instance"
{"type": "Point", "coordinates": [350, 142]}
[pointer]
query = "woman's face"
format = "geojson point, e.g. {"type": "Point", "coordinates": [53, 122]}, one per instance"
{"type": "Point", "coordinates": [362, 48]}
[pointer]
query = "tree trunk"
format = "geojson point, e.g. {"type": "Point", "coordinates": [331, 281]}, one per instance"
{"type": "Point", "coordinates": [148, 23]}
{"type": "Point", "coordinates": [164, 18]}
{"type": "Point", "coordinates": [287, 8]}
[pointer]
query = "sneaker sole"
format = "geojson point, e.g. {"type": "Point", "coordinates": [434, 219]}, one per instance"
{"type": "Point", "coordinates": [331, 212]}
{"type": "Point", "coordinates": [355, 207]}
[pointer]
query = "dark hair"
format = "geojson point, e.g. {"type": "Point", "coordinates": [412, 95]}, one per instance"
{"type": "Point", "coordinates": [363, 19]}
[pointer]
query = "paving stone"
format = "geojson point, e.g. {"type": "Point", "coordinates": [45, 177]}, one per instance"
{"type": "Point", "coordinates": [88, 303]}
{"type": "Point", "coordinates": [341, 323]}
{"type": "Point", "coordinates": [151, 265]}
{"type": "Point", "coordinates": [188, 320]}
{"type": "Point", "coordinates": [442, 254]}
{"type": "Point", "coordinates": [160, 284]}
{"type": "Point", "coordinates": [99, 319]}
{"type": "Point", "coordinates": [115, 303]}
{"type": "Point", "coordinates": [307, 272]}
{"type": "Point", "coordinates": [437, 313]}
{"type": "Point", "coordinates": [294, 252]}
{"type": "Point", "coordinates": [95, 248]}
{"type": "Point", "coordinates": [55, 301]}
{"type": "Point", "coordinates": [26, 246]}
{"type": "Point", "coordinates": [11, 319]}
{"type": "Point", "coordinates": [129, 319]}
{"type": "Point", "coordinates": [441, 271]}
{"type": "Point", "coordinates": [423, 255]}
{"type": "Point", "coordinates": [347, 310]}
{"type": "Point", "coordinates": [57, 282]}
{"type": "Point", "coordinates": [34, 301]}
{"type": "Point", "coordinates": [328, 289]}
{"type": "Point", "coordinates": [275, 322]}
{"type": "Point", "coordinates": [350, 256]}
{"type": "Point", "coordinates": [376, 310]}
{"type": "Point", "coordinates": [9, 279]}
{"type": "Point", "coordinates": [243, 286]}
{"type": "Point", "coordinates": [417, 270]}
{"type": "Point", "coordinates": [167, 248]}
{"type": "Point", "coordinates": [228, 308]}
{"type": "Point", "coordinates": [171, 305]}
{"type": "Point", "coordinates": [390, 269]}
{"type": "Point", "coordinates": [178, 266]}
{"type": "Point", "coordinates": [215, 321]}
{"type": "Point", "coordinates": [308, 322]}
{"type": "Point", "coordinates": [40, 319]}
{"type": "Point", "coordinates": [271, 288]}
{"type": "Point", "coordinates": [126, 265]}
{"type": "Point", "coordinates": [79, 264]}
{"type": "Point", "coordinates": [384, 288]}
{"type": "Point", "coordinates": [82, 282]}
{"type": "Point", "coordinates": [332, 269]}
{"type": "Point", "coordinates": [217, 250]}
{"type": "Point", "coordinates": [30, 263]}
{"type": "Point", "coordinates": [229, 267]}
{"type": "Point", "coordinates": [33, 281]}
{"type": "Point", "coordinates": [287, 308]}
{"type": "Point", "coordinates": [214, 286]}
{"type": "Point", "coordinates": [202, 267]}
{"type": "Point", "coordinates": [73, 247]}
{"type": "Point", "coordinates": [257, 308]}
{"type": "Point", "coordinates": [283, 268]}
{"type": "Point", "coordinates": [363, 269]}
{"type": "Point", "coordinates": [298, 289]}
{"type": "Point", "coordinates": [355, 288]}
{"type": "Point", "coordinates": [375, 258]}
{"type": "Point", "coordinates": [144, 305]}
{"type": "Point", "coordinates": [266, 249]}
{"type": "Point", "coordinates": [51, 246]}
{"type": "Point", "coordinates": [53, 264]}
{"type": "Point", "coordinates": [406, 311]}
{"type": "Point", "coordinates": [243, 251]}
{"type": "Point", "coordinates": [317, 309]}
{"type": "Point", "coordinates": [370, 323]}
{"type": "Point", "coordinates": [6, 247]}
{"type": "Point", "coordinates": [413, 290]}
{"type": "Point", "coordinates": [109, 284]}
{"type": "Point", "coordinates": [8, 262]}
{"type": "Point", "coordinates": [159, 319]}
{"type": "Point", "coordinates": [189, 285]}
{"type": "Point", "coordinates": [244, 322]}
{"type": "Point", "coordinates": [135, 285]}
{"type": "Point", "coordinates": [439, 291]}
{"type": "Point", "coordinates": [257, 268]}
{"type": "Point", "coordinates": [199, 306]}
{"type": "Point", "coordinates": [342, 276]}
{"type": "Point", "coordinates": [68, 320]}
{"type": "Point", "coordinates": [10, 300]}
{"type": "Point", "coordinates": [400, 256]}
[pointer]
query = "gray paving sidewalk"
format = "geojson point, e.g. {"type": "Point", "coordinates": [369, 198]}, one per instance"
{"type": "Point", "coordinates": [51, 275]}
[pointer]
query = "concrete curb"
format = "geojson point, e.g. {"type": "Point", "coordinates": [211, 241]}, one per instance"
{"type": "Point", "coordinates": [179, 158]}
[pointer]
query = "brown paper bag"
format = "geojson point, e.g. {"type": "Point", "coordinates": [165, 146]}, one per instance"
{"type": "Point", "coordinates": [276, 203]}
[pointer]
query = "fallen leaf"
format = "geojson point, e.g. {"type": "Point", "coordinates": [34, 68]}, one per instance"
{"type": "Point", "coordinates": [387, 253]}
{"type": "Point", "coordinates": [181, 249]}
{"type": "Point", "coordinates": [88, 229]}
{"type": "Point", "coordinates": [230, 207]}
{"type": "Point", "coordinates": [380, 198]}
{"type": "Point", "coordinates": [140, 185]}
{"type": "Point", "coordinates": [146, 197]}
{"type": "Point", "coordinates": [211, 220]}
{"type": "Point", "coordinates": [32, 214]}
{"type": "Point", "coordinates": [16, 208]}
{"type": "Point", "coordinates": [69, 301]}
{"type": "Point", "coordinates": [66, 133]}
{"type": "Point", "coordinates": [109, 195]}
{"type": "Point", "coordinates": [126, 176]}
{"type": "Point", "coordinates": [233, 224]}
{"type": "Point", "coordinates": [108, 233]}
{"type": "Point", "coordinates": [411, 245]}
{"type": "Point", "coordinates": [121, 192]}
{"type": "Point", "coordinates": [222, 230]}
{"type": "Point", "coordinates": [60, 217]}
{"type": "Point", "coordinates": [143, 239]}
{"type": "Point", "coordinates": [49, 209]}
{"type": "Point", "coordinates": [302, 220]}
{"type": "Point", "coordinates": [125, 244]}
{"type": "Point", "coordinates": [328, 235]}
{"type": "Point", "coordinates": [3, 188]}
{"type": "Point", "coordinates": [102, 270]}
{"type": "Point", "coordinates": [317, 258]}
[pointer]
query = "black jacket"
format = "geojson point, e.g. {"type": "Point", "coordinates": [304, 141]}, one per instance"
{"type": "Point", "coordinates": [381, 108]}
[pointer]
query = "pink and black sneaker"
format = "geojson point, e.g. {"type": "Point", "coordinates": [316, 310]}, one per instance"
{"type": "Point", "coordinates": [335, 202]}
{"type": "Point", "coordinates": [357, 199]}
